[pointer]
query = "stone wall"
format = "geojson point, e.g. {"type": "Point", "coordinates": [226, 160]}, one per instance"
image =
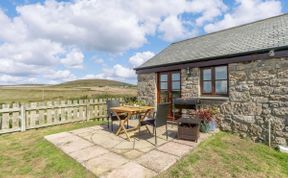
{"type": "Point", "coordinates": [258, 92]}
{"type": "Point", "coordinates": [190, 85]}
{"type": "Point", "coordinates": [147, 88]}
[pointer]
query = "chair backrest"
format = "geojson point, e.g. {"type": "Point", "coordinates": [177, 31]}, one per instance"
{"type": "Point", "coordinates": [110, 104]}
{"type": "Point", "coordinates": [162, 114]}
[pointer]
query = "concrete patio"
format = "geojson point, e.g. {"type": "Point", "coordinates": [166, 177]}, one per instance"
{"type": "Point", "coordinates": [108, 155]}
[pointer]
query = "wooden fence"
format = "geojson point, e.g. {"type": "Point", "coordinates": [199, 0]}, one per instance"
{"type": "Point", "coordinates": [20, 117]}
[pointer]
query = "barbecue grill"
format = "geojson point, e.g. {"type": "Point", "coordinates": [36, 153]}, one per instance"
{"type": "Point", "coordinates": [189, 104]}
{"type": "Point", "coordinates": [181, 103]}
{"type": "Point", "coordinates": [188, 125]}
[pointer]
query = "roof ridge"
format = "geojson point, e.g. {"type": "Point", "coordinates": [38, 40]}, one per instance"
{"type": "Point", "coordinates": [226, 29]}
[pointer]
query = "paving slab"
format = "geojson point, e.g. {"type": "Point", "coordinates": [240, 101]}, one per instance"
{"type": "Point", "coordinates": [144, 145]}
{"type": "Point", "coordinates": [104, 163]}
{"type": "Point", "coordinates": [157, 160]}
{"type": "Point", "coordinates": [57, 136]}
{"type": "Point", "coordinates": [88, 153]}
{"type": "Point", "coordinates": [131, 170]}
{"type": "Point", "coordinates": [73, 144]}
{"type": "Point", "coordinates": [133, 154]}
{"type": "Point", "coordinates": [106, 140]}
{"type": "Point", "coordinates": [186, 142]}
{"type": "Point", "coordinates": [175, 149]}
{"type": "Point", "coordinates": [83, 130]}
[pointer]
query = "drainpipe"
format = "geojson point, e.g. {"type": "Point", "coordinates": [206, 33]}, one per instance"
{"type": "Point", "coordinates": [269, 132]}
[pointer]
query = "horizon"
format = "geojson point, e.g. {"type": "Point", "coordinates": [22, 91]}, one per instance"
{"type": "Point", "coordinates": [51, 42]}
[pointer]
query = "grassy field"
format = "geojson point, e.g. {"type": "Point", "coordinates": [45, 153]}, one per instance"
{"type": "Point", "coordinates": [70, 90]}
{"type": "Point", "coordinates": [226, 155]}
{"type": "Point", "coordinates": [27, 154]}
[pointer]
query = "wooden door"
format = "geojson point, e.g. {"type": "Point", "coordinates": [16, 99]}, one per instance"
{"type": "Point", "coordinates": [169, 88]}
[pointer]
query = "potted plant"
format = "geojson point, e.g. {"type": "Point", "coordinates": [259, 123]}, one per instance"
{"type": "Point", "coordinates": [213, 123]}
{"type": "Point", "coordinates": [206, 116]}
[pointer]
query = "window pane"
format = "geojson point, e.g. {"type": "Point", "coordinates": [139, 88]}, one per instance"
{"type": "Point", "coordinates": [207, 74]}
{"type": "Point", "coordinates": [163, 96]}
{"type": "Point", "coordinates": [175, 76]}
{"type": "Point", "coordinates": [221, 87]}
{"type": "Point", "coordinates": [175, 85]}
{"type": "Point", "coordinates": [163, 86]}
{"type": "Point", "coordinates": [221, 72]}
{"type": "Point", "coordinates": [163, 77]}
{"type": "Point", "coordinates": [176, 94]}
{"type": "Point", "coordinates": [207, 87]}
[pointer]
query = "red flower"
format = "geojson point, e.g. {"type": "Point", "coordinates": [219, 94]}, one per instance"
{"type": "Point", "coordinates": [205, 114]}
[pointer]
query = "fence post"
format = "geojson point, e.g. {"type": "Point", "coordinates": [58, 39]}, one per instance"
{"type": "Point", "coordinates": [23, 118]}
{"type": "Point", "coordinates": [87, 112]}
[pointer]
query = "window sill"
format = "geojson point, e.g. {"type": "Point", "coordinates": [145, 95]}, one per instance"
{"type": "Point", "coordinates": [220, 98]}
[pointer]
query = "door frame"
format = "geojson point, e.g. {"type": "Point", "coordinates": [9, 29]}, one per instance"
{"type": "Point", "coordinates": [169, 88]}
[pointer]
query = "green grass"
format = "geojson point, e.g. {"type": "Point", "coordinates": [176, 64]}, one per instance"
{"type": "Point", "coordinates": [28, 154]}
{"type": "Point", "coordinates": [226, 155]}
{"type": "Point", "coordinates": [78, 89]}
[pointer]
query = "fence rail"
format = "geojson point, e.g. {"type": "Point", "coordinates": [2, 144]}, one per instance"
{"type": "Point", "coordinates": [20, 117]}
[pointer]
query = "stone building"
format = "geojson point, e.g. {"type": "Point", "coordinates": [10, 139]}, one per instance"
{"type": "Point", "coordinates": [242, 70]}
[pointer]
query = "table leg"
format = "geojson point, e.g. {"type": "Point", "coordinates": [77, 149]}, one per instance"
{"type": "Point", "coordinates": [142, 118]}
{"type": "Point", "coordinates": [122, 126]}
{"type": "Point", "coordinates": [120, 121]}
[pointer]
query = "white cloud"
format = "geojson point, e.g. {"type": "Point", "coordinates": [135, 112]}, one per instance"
{"type": "Point", "coordinates": [12, 30]}
{"type": "Point", "coordinates": [140, 57]}
{"type": "Point", "coordinates": [247, 11]}
{"type": "Point", "coordinates": [8, 79]}
{"type": "Point", "coordinates": [117, 72]}
{"type": "Point", "coordinates": [92, 24]}
{"type": "Point", "coordinates": [173, 29]}
{"type": "Point", "coordinates": [60, 75]}
{"type": "Point", "coordinates": [123, 72]}
{"type": "Point", "coordinates": [45, 37]}
{"type": "Point", "coordinates": [209, 9]}
{"type": "Point", "coordinates": [73, 59]}
{"type": "Point", "coordinates": [30, 58]}
{"type": "Point", "coordinates": [97, 60]}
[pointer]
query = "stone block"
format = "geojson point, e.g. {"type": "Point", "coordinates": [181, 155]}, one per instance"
{"type": "Point", "coordinates": [242, 87]}
{"type": "Point", "coordinates": [280, 141]}
{"type": "Point", "coordinates": [57, 136]}
{"type": "Point", "coordinates": [131, 170]}
{"type": "Point", "coordinates": [240, 96]}
{"type": "Point", "coordinates": [133, 154]}
{"type": "Point", "coordinates": [185, 142]}
{"type": "Point", "coordinates": [73, 144]}
{"type": "Point", "coordinates": [283, 111]}
{"type": "Point", "coordinates": [175, 149]}
{"type": "Point", "coordinates": [88, 153]}
{"type": "Point", "coordinates": [255, 130]}
{"type": "Point", "coordinates": [105, 163]}
{"type": "Point", "coordinates": [246, 119]}
{"type": "Point", "coordinates": [157, 160]}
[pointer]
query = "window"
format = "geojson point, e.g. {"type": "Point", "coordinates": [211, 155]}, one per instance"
{"type": "Point", "coordinates": [214, 81]}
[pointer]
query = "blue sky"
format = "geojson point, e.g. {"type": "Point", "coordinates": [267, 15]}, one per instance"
{"type": "Point", "coordinates": [51, 41]}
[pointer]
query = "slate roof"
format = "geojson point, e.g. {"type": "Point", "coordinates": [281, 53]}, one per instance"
{"type": "Point", "coordinates": [271, 33]}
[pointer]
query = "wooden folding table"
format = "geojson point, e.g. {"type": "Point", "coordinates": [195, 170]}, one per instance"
{"type": "Point", "coordinates": [130, 110]}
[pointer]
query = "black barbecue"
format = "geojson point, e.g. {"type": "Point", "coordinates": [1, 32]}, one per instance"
{"type": "Point", "coordinates": [188, 124]}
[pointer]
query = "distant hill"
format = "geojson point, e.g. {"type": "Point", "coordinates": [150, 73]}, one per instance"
{"type": "Point", "coordinates": [93, 83]}
{"type": "Point", "coordinates": [24, 85]}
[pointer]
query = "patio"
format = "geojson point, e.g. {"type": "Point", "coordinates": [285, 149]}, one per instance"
{"type": "Point", "coordinates": [108, 155]}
